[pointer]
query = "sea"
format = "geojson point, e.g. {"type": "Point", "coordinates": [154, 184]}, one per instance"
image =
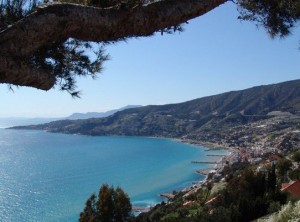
{"type": "Point", "coordinates": [47, 177]}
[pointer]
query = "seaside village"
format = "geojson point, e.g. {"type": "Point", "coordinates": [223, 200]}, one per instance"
{"type": "Point", "coordinates": [260, 146]}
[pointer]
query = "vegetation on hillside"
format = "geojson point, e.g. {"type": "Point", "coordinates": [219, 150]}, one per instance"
{"type": "Point", "coordinates": [288, 212]}
{"type": "Point", "coordinates": [246, 195]}
{"type": "Point", "coordinates": [214, 118]}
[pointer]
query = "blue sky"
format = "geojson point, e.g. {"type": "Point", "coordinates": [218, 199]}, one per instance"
{"type": "Point", "coordinates": [216, 53]}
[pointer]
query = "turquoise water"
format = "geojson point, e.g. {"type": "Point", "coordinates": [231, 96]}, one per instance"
{"type": "Point", "coordinates": [48, 177]}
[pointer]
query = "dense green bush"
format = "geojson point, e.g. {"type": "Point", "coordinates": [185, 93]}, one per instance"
{"type": "Point", "coordinates": [112, 205]}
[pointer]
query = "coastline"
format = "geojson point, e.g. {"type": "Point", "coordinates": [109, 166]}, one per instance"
{"type": "Point", "coordinates": [35, 139]}
{"type": "Point", "coordinates": [205, 144]}
{"type": "Point", "coordinates": [208, 145]}
{"type": "Point", "coordinates": [194, 187]}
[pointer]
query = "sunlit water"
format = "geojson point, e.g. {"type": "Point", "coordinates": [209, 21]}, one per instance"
{"type": "Point", "coordinates": [48, 177]}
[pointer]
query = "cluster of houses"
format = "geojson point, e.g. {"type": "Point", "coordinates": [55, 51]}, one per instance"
{"type": "Point", "coordinates": [260, 144]}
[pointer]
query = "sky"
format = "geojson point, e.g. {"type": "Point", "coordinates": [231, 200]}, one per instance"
{"type": "Point", "coordinates": [216, 53]}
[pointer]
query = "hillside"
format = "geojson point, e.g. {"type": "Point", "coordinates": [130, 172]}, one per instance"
{"type": "Point", "coordinates": [195, 119]}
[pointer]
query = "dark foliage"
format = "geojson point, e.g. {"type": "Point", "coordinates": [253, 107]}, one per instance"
{"type": "Point", "coordinates": [296, 156]}
{"type": "Point", "coordinates": [295, 174]}
{"type": "Point", "coordinates": [247, 196]}
{"type": "Point", "coordinates": [276, 16]}
{"type": "Point", "coordinates": [112, 205]}
{"type": "Point", "coordinates": [12, 11]}
{"type": "Point", "coordinates": [69, 59]}
{"type": "Point", "coordinates": [66, 59]}
{"type": "Point", "coordinates": [283, 166]}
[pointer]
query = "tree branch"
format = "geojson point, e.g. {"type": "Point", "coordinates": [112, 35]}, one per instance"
{"type": "Point", "coordinates": [55, 22]}
{"type": "Point", "coordinates": [19, 73]}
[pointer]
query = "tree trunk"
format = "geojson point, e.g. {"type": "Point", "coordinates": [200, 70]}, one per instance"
{"type": "Point", "coordinates": [55, 22]}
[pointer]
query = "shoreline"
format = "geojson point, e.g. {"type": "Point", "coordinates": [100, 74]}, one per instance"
{"type": "Point", "coordinates": [208, 145]}
{"type": "Point", "coordinates": [199, 143]}
{"type": "Point", "coordinates": [195, 186]}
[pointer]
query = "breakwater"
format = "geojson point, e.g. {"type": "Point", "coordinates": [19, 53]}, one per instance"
{"type": "Point", "coordinates": [207, 162]}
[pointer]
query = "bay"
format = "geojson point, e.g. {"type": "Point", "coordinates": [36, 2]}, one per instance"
{"type": "Point", "coordinates": [48, 177]}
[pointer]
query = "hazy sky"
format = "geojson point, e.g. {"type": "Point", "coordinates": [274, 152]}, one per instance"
{"type": "Point", "coordinates": [216, 53]}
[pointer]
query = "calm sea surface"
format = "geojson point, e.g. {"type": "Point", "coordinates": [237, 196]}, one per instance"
{"type": "Point", "coordinates": [48, 177]}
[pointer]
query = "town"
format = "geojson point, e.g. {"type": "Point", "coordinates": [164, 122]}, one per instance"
{"type": "Point", "coordinates": [266, 146]}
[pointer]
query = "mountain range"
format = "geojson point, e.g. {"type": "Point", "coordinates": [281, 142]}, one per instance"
{"type": "Point", "coordinates": [192, 118]}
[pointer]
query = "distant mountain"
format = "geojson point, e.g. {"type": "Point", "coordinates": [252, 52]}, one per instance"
{"type": "Point", "coordinates": [191, 119]}
{"type": "Point", "coordinates": [23, 121]}
{"type": "Point", "coordinates": [88, 115]}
